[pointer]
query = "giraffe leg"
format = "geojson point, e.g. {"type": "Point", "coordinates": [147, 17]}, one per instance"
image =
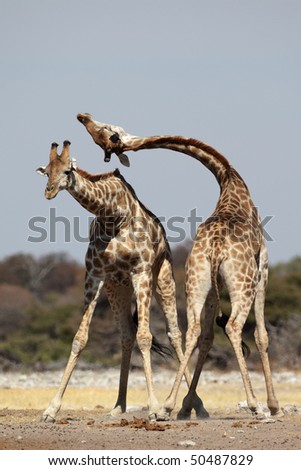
{"type": "Point", "coordinates": [234, 332]}
{"type": "Point", "coordinates": [120, 301]}
{"type": "Point", "coordinates": [262, 343]}
{"type": "Point", "coordinates": [198, 285]}
{"type": "Point", "coordinates": [241, 281]}
{"type": "Point", "coordinates": [78, 344]}
{"type": "Point", "coordinates": [204, 344]}
{"type": "Point", "coordinates": [166, 297]}
{"type": "Point", "coordinates": [143, 291]}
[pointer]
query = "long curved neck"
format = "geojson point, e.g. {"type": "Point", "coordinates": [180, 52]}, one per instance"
{"type": "Point", "coordinates": [208, 156]}
{"type": "Point", "coordinates": [114, 202]}
{"type": "Point", "coordinates": [234, 198]}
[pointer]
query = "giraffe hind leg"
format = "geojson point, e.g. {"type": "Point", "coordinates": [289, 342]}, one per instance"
{"type": "Point", "coordinates": [262, 342]}
{"type": "Point", "coordinates": [234, 331]}
{"type": "Point", "coordinates": [241, 281]}
{"type": "Point", "coordinates": [166, 298]}
{"type": "Point", "coordinates": [221, 321]}
{"type": "Point", "coordinates": [204, 344]}
{"type": "Point", "coordinates": [120, 302]}
{"type": "Point", "coordinates": [198, 285]}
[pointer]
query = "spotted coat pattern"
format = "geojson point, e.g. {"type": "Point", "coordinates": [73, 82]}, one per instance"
{"type": "Point", "coordinates": [229, 249]}
{"type": "Point", "coordinates": [128, 256]}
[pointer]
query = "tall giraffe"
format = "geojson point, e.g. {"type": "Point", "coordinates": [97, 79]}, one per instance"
{"type": "Point", "coordinates": [229, 249]}
{"type": "Point", "coordinates": [128, 255]}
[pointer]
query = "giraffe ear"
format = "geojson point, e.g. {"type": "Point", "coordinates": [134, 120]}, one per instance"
{"type": "Point", "coordinates": [124, 159]}
{"type": "Point", "coordinates": [41, 170]}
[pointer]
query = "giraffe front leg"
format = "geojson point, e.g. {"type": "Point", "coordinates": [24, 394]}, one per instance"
{"type": "Point", "coordinates": [55, 404]}
{"type": "Point", "coordinates": [78, 344]}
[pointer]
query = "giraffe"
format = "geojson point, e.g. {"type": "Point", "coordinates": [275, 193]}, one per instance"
{"type": "Point", "coordinates": [229, 249]}
{"type": "Point", "coordinates": [128, 255]}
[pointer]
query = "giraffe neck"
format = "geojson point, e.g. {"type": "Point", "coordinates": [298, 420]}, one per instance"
{"type": "Point", "coordinates": [115, 204]}
{"type": "Point", "coordinates": [234, 198]}
{"type": "Point", "coordinates": [102, 195]}
{"type": "Point", "coordinates": [208, 156]}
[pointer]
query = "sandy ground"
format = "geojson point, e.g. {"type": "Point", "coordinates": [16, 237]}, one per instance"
{"type": "Point", "coordinates": [84, 421]}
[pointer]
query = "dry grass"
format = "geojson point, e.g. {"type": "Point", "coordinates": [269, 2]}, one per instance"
{"type": "Point", "coordinates": [215, 396]}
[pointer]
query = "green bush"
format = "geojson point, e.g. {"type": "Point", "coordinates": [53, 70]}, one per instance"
{"type": "Point", "coordinates": [39, 316]}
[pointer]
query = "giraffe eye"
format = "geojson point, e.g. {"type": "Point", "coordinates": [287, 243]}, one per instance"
{"type": "Point", "coordinates": [67, 172]}
{"type": "Point", "coordinates": [114, 138]}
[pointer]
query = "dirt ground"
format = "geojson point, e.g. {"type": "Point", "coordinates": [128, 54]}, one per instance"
{"type": "Point", "coordinates": [84, 421]}
{"type": "Point", "coordinates": [21, 429]}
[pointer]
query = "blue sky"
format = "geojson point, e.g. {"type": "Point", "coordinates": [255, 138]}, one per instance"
{"type": "Point", "coordinates": [225, 72]}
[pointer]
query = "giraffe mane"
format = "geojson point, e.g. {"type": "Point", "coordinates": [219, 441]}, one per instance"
{"type": "Point", "coordinates": [196, 143]}
{"type": "Point", "coordinates": [144, 208]}
{"type": "Point", "coordinates": [95, 177]}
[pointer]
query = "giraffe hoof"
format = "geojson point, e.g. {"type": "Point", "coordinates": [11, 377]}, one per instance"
{"type": "Point", "coordinates": [46, 418]}
{"type": "Point", "coordinates": [277, 413]}
{"type": "Point", "coordinates": [183, 415]}
{"type": "Point", "coordinates": [202, 414]}
{"type": "Point", "coordinates": [153, 417]}
{"type": "Point", "coordinates": [115, 412]}
{"type": "Point", "coordinates": [260, 415]}
{"type": "Point", "coordinates": [200, 410]}
{"type": "Point", "coordinates": [163, 416]}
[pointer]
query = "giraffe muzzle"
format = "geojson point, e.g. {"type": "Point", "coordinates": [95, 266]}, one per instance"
{"type": "Point", "coordinates": [51, 191]}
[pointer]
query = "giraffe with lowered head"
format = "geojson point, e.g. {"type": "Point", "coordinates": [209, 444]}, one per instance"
{"type": "Point", "coordinates": [128, 255]}
{"type": "Point", "coordinates": [229, 249]}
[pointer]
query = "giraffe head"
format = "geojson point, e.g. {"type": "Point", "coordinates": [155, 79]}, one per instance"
{"type": "Point", "coordinates": [109, 137]}
{"type": "Point", "coordinates": [58, 170]}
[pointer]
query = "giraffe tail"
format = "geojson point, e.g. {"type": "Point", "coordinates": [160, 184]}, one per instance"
{"type": "Point", "coordinates": [221, 321]}
{"type": "Point", "coordinates": [156, 346]}
{"type": "Point", "coordinates": [161, 349]}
